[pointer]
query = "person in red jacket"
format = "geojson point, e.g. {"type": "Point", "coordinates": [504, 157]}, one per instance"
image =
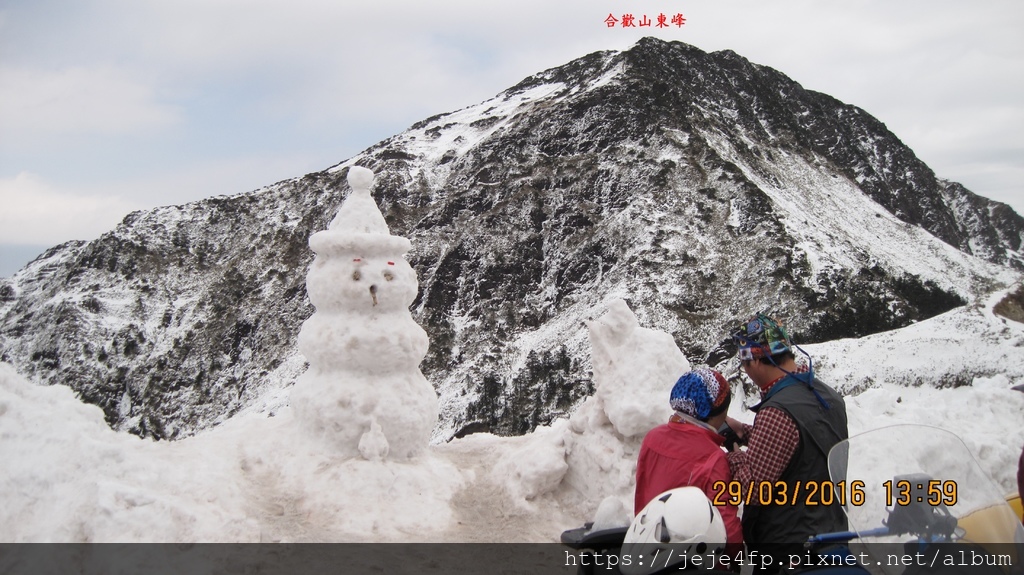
{"type": "Point", "coordinates": [687, 451]}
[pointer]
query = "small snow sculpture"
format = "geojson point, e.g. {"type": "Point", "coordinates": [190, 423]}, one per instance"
{"type": "Point", "coordinates": [373, 446]}
{"type": "Point", "coordinates": [364, 393]}
{"type": "Point", "coordinates": [634, 370]}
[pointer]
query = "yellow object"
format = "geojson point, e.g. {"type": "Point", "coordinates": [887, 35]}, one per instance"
{"type": "Point", "coordinates": [1015, 503]}
{"type": "Point", "coordinates": [996, 524]}
{"type": "Point", "coordinates": [993, 525]}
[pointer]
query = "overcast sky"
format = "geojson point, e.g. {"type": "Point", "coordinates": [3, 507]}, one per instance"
{"type": "Point", "coordinates": [108, 106]}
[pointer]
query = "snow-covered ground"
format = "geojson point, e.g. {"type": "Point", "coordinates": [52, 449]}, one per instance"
{"type": "Point", "coordinates": [66, 476]}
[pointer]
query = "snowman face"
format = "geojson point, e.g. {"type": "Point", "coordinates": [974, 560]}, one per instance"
{"type": "Point", "coordinates": [375, 277]}
{"type": "Point", "coordinates": [371, 285]}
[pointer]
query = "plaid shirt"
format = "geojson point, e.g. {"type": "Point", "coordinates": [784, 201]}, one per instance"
{"type": "Point", "coordinates": [771, 442]}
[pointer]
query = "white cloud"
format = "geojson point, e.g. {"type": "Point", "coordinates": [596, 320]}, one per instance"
{"type": "Point", "coordinates": [39, 211]}
{"type": "Point", "coordinates": [245, 80]}
{"type": "Point", "coordinates": [36, 213]}
{"type": "Point", "coordinates": [36, 104]}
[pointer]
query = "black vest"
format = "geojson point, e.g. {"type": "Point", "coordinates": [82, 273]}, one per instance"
{"type": "Point", "coordinates": [820, 429]}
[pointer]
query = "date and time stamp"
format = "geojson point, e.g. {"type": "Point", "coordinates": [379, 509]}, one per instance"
{"type": "Point", "coordinates": [897, 493]}
{"type": "Point", "coordinates": [902, 491]}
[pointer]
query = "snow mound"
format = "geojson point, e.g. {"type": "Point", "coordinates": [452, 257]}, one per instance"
{"type": "Point", "coordinates": [634, 370]}
{"type": "Point", "coordinates": [70, 478]}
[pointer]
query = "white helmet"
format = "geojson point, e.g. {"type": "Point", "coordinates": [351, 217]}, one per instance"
{"type": "Point", "coordinates": [675, 526]}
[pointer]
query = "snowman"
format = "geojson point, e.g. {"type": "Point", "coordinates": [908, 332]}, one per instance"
{"type": "Point", "coordinates": [363, 394]}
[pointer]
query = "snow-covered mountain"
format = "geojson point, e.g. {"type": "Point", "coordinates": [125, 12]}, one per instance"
{"type": "Point", "coordinates": [699, 187]}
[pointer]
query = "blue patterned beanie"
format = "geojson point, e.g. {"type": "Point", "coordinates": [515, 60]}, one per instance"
{"type": "Point", "coordinates": [700, 393]}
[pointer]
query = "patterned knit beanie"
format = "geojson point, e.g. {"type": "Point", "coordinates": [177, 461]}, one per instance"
{"type": "Point", "coordinates": [700, 393]}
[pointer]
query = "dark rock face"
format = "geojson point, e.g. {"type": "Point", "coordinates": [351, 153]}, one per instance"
{"type": "Point", "coordinates": [699, 187]}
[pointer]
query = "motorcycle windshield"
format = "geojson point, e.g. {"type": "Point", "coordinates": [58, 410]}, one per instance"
{"type": "Point", "coordinates": [909, 483]}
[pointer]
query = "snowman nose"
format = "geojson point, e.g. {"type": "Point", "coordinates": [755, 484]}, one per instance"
{"type": "Point", "coordinates": [373, 294]}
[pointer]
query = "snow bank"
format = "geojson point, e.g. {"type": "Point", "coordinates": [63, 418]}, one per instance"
{"type": "Point", "coordinates": [67, 477]}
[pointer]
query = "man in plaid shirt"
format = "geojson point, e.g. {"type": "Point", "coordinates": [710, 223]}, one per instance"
{"type": "Point", "coordinates": [797, 422]}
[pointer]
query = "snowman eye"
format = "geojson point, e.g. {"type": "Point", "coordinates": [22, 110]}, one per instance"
{"type": "Point", "coordinates": [356, 275]}
{"type": "Point", "coordinates": [388, 275]}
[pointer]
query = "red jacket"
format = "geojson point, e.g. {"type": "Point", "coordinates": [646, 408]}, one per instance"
{"type": "Point", "coordinates": [683, 454]}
